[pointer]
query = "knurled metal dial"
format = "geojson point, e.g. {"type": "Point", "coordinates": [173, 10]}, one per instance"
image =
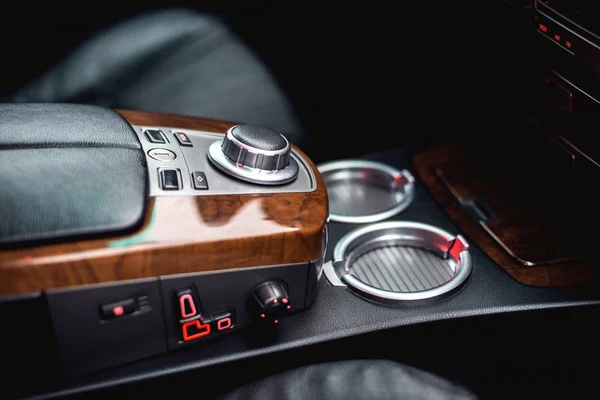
{"type": "Point", "coordinates": [255, 154]}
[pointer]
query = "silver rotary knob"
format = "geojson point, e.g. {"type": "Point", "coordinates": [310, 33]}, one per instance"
{"type": "Point", "coordinates": [255, 154]}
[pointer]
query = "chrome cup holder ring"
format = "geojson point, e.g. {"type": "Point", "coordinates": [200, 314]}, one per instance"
{"type": "Point", "coordinates": [400, 263]}
{"type": "Point", "coordinates": [363, 191]}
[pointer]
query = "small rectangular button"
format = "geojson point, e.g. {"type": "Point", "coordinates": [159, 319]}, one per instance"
{"type": "Point", "coordinates": [154, 136]}
{"type": "Point", "coordinates": [118, 309]}
{"type": "Point", "coordinates": [183, 139]}
{"type": "Point", "coordinates": [223, 321]}
{"type": "Point", "coordinates": [200, 182]}
{"type": "Point", "coordinates": [169, 179]}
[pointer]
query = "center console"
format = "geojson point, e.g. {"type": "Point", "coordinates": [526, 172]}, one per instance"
{"type": "Point", "coordinates": [225, 228]}
{"type": "Point", "coordinates": [141, 246]}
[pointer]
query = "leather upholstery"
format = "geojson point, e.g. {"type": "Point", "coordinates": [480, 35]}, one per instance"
{"type": "Point", "coordinates": [359, 379]}
{"type": "Point", "coordinates": [68, 170]}
{"type": "Point", "coordinates": [174, 61]}
{"type": "Point", "coordinates": [61, 125]}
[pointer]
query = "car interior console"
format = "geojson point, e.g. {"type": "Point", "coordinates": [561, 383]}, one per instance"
{"type": "Point", "coordinates": [156, 239]}
{"type": "Point", "coordinates": [138, 247]}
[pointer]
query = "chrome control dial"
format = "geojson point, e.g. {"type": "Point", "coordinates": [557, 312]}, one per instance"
{"type": "Point", "coordinates": [255, 154]}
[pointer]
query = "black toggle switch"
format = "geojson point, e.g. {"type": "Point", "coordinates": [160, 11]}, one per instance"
{"type": "Point", "coordinates": [169, 179]}
{"type": "Point", "coordinates": [154, 136]}
{"type": "Point", "coordinates": [118, 309]}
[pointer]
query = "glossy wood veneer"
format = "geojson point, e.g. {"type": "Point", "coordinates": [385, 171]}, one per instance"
{"type": "Point", "coordinates": [181, 234]}
{"type": "Point", "coordinates": [433, 164]}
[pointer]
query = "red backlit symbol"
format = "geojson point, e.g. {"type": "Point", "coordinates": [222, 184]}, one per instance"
{"type": "Point", "coordinates": [543, 28]}
{"type": "Point", "coordinates": [556, 37]}
{"type": "Point", "coordinates": [223, 324]}
{"type": "Point", "coordinates": [200, 328]}
{"type": "Point", "coordinates": [182, 137]}
{"type": "Point", "coordinates": [199, 178]}
{"type": "Point", "coordinates": [186, 302]}
{"type": "Point", "coordinates": [568, 44]}
{"type": "Point", "coordinates": [118, 311]}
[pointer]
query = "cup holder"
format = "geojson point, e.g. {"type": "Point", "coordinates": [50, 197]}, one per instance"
{"type": "Point", "coordinates": [400, 262]}
{"type": "Point", "coordinates": [365, 191]}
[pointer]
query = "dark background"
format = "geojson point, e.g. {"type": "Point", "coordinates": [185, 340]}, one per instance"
{"type": "Point", "coordinates": [396, 73]}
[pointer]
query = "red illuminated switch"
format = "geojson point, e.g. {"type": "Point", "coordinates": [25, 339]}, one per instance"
{"type": "Point", "coordinates": [223, 321]}
{"type": "Point", "coordinates": [195, 329]}
{"type": "Point", "coordinates": [187, 304]}
{"type": "Point", "coordinates": [118, 309]}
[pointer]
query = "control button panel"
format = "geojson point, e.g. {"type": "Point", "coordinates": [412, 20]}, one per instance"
{"type": "Point", "coordinates": [101, 326]}
{"type": "Point", "coordinates": [202, 306]}
{"type": "Point", "coordinates": [193, 323]}
{"type": "Point", "coordinates": [555, 33]}
{"type": "Point", "coordinates": [183, 139]}
{"type": "Point", "coordinates": [187, 151]}
{"type": "Point", "coordinates": [169, 179]}
{"type": "Point", "coordinates": [207, 325]}
{"type": "Point", "coordinates": [155, 136]}
{"type": "Point", "coordinates": [199, 179]}
{"type": "Point", "coordinates": [162, 154]}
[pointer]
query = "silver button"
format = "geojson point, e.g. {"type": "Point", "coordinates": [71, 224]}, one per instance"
{"type": "Point", "coordinates": [162, 154]}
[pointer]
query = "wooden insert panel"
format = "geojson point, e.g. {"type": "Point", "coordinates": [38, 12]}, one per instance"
{"type": "Point", "coordinates": [181, 234]}
{"type": "Point", "coordinates": [537, 231]}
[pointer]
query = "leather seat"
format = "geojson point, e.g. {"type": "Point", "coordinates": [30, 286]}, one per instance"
{"type": "Point", "coordinates": [356, 379]}
{"type": "Point", "coordinates": [174, 61]}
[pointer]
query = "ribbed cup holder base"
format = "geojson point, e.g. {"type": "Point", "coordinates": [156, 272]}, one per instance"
{"type": "Point", "coordinates": [362, 192]}
{"type": "Point", "coordinates": [400, 262]}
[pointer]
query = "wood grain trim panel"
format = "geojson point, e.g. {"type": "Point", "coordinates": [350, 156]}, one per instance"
{"type": "Point", "coordinates": [579, 272]}
{"type": "Point", "coordinates": [181, 234]}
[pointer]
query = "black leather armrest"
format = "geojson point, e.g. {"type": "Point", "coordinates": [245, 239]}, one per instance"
{"type": "Point", "coordinates": [68, 170]}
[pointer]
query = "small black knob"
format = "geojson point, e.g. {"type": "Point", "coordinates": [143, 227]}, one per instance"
{"type": "Point", "coordinates": [270, 301]}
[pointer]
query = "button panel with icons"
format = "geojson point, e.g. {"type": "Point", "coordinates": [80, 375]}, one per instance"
{"type": "Point", "coordinates": [192, 321]}
{"type": "Point", "coordinates": [99, 326]}
{"type": "Point", "coordinates": [205, 306]}
{"type": "Point", "coordinates": [170, 149]}
{"type": "Point", "coordinates": [555, 33]}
